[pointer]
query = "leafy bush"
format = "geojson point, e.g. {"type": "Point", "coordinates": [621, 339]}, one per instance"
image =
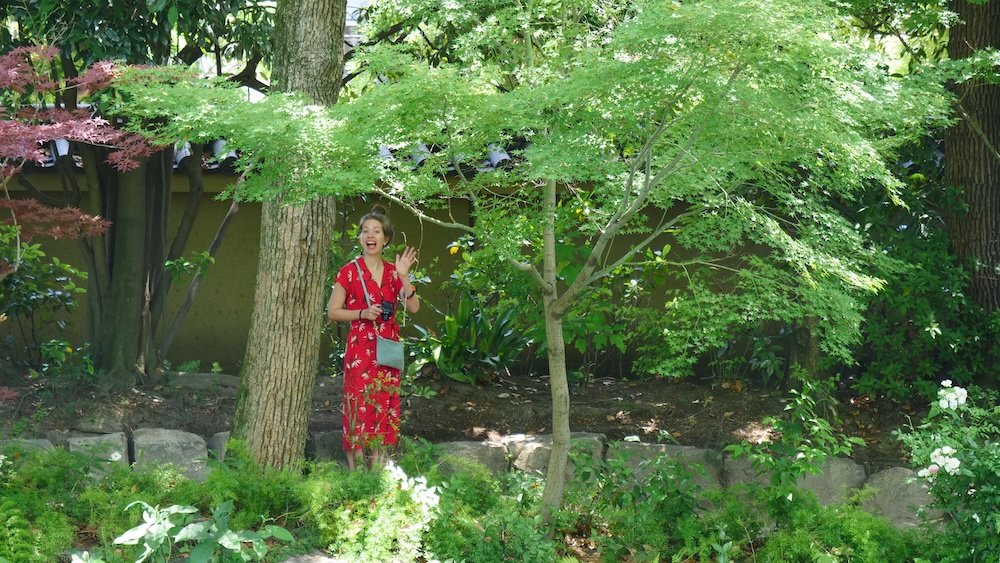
{"type": "Point", "coordinates": [42, 479]}
{"type": "Point", "coordinates": [838, 533]}
{"type": "Point", "coordinates": [804, 440]}
{"type": "Point", "coordinates": [631, 510]}
{"type": "Point", "coordinates": [922, 324]}
{"type": "Point", "coordinates": [483, 520]}
{"type": "Point", "coordinates": [957, 451]}
{"type": "Point", "coordinates": [105, 503]}
{"type": "Point", "coordinates": [256, 491]}
{"type": "Point", "coordinates": [370, 516]}
{"type": "Point", "coordinates": [38, 538]}
{"type": "Point", "coordinates": [468, 346]}
{"type": "Point", "coordinates": [33, 296]}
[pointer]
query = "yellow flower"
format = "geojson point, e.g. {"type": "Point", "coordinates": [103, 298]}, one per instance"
{"type": "Point", "coordinates": [453, 250]}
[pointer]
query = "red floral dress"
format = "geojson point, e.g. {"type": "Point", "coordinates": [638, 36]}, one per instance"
{"type": "Point", "coordinates": [371, 392]}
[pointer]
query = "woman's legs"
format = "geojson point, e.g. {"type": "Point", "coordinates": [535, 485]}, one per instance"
{"type": "Point", "coordinates": [354, 456]}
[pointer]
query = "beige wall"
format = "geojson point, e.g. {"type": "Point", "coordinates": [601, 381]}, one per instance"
{"type": "Point", "coordinates": [215, 329]}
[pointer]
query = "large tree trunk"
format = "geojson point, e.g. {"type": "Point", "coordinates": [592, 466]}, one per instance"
{"type": "Point", "coordinates": [119, 331]}
{"type": "Point", "coordinates": [555, 475]}
{"type": "Point", "coordinates": [281, 362]}
{"type": "Point", "coordinates": [972, 160]}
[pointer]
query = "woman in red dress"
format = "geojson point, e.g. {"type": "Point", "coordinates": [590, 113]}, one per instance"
{"type": "Point", "coordinates": [371, 391]}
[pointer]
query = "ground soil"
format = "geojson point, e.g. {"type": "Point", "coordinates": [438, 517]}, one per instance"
{"type": "Point", "coordinates": [695, 412]}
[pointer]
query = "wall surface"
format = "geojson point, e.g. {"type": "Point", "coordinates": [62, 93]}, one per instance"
{"type": "Point", "coordinates": [215, 329]}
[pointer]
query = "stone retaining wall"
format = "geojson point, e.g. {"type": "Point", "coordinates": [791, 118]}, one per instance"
{"type": "Point", "coordinates": [896, 492]}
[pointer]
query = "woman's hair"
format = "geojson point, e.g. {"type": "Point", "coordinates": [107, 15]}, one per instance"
{"type": "Point", "coordinates": [378, 213]}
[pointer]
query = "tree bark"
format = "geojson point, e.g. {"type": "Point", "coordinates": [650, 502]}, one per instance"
{"type": "Point", "coordinates": [282, 357]}
{"type": "Point", "coordinates": [972, 162]}
{"type": "Point", "coordinates": [555, 475]}
{"type": "Point", "coordinates": [119, 335]}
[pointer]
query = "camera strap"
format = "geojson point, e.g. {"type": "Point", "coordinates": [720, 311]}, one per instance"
{"type": "Point", "coordinates": [364, 285]}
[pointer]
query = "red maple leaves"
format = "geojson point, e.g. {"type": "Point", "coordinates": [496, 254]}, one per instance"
{"type": "Point", "coordinates": [23, 133]}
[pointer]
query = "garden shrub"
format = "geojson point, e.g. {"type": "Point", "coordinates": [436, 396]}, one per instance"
{"type": "Point", "coordinates": [630, 513]}
{"type": "Point", "coordinates": [370, 516]}
{"type": "Point", "coordinates": [733, 512]}
{"type": "Point", "coordinates": [486, 519]}
{"type": "Point", "coordinates": [505, 532]}
{"type": "Point", "coordinates": [106, 501]}
{"type": "Point", "coordinates": [40, 536]}
{"type": "Point", "coordinates": [922, 323]}
{"type": "Point", "coordinates": [257, 492]}
{"type": "Point", "coordinates": [41, 479]}
{"type": "Point", "coordinates": [956, 450]}
{"type": "Point", "coordinates": [838, 533]}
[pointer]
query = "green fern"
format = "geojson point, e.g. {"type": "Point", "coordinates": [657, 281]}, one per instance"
{"type": "Point", "coordinates": [16, 540]}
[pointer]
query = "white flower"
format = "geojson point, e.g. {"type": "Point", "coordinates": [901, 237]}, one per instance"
{"type": "Point", "coordinates": [975, 517]}
{"type": "Point", "coordinates": [952, 397]}
{"type": "Point", "coordinates": [944, 458]}
{"type": "Point", "coordinates": [928, 472]}
{"type": "Point", "coordinates": [946, 383]}
{"type": "Point", "coordinates": [115, 456]}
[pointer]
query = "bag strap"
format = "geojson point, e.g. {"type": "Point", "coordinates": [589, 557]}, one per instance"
{"type": "Point", "coordinates": [364, 285]}
{"type": "Point", "coordinates": [361, 278]}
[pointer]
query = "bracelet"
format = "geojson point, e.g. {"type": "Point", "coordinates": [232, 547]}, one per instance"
{"type": "Point", "coordinates": [359, 313]}
{"type": "Point", "coordinates": [412, 293]}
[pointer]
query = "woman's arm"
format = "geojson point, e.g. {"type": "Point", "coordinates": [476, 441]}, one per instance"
{"type": "Point", "coordinates": [335, 310]}
{"type": "Point", "coordinates": [410, 297]}
{"type": "Point", "coordinates": [409, 292]}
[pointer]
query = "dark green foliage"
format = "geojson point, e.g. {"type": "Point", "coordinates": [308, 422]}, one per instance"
{"type": "Point", "coordinates": [255, 491]}
{"type": "Point", "coordinates": [922, 325]}
{"type": "Point", "coordinates": [16, 540]}
{"type": "Point", "coordinates": [51, 478]}
{"type": "Point", "coordinates": [362, 515]}
{"type": "Point", "coordinates": [33, 296]}
{"type": "Point", "coordinates": [28, 538]}
{"type": "Point", "coordinates": [468, 346]}
{"type": "Point", "coordinates": [105, 503]}
{"type": "Point", "coordinates": [838, 533]}
{"type": "Point", "coordinates": [631, 509]}
{"type": "Point", "coordinates": [503, 533]}
{"type": "Point", "coordinates": [732, 511]}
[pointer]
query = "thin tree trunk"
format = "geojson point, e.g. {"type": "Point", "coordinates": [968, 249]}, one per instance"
{"type": "Point", "coordinates": [555, 475]}
{"type": "Point", "coordinates": [282, 357]}
{"type": "Point", "coordinates": [213, 249]}
{"type": "Point", "coordinates": [972, 160]}
{"type": "Point", "coordinates": [159, 182]}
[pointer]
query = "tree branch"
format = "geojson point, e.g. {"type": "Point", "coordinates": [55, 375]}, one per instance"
{"type": "Point", "coordinates": [419, 214]}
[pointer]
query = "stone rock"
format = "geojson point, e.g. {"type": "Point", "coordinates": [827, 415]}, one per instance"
{"type": "Point", "coordinates": [26, 445]}
{"type": "Point", "coordinates": [639, 456]}
{"type": "Point", "coordinates": [531, 453]}
{"type": "Point", "coordinates": [838, 479]}
{"type": "Point", "coordinates": [326, 446]}
{"type": "Point", "coordinates": [217, 445]}
{"type": "Point", "coordinates": [740, 471]}
{"type": "Point", "coordinates": [112, 448]}
{"type": "Point", "coordinates": [104, 419]}
{"type": "Point", "coordinates": [900, 496]}
{"type": "Point", "coordinates": [492, 455]}
{"type": "Point", "coordinates": [184, 450]}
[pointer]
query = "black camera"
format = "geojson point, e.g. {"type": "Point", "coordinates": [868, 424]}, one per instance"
{"type": "Point", "coordinates": [388, 307]}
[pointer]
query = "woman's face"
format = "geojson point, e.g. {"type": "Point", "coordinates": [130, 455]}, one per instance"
{"type": "Point", "coordinates": [372, 237]}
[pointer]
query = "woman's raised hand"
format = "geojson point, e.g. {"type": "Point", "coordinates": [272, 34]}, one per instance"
{"type": "Point", "coordinates": [404, 262]}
